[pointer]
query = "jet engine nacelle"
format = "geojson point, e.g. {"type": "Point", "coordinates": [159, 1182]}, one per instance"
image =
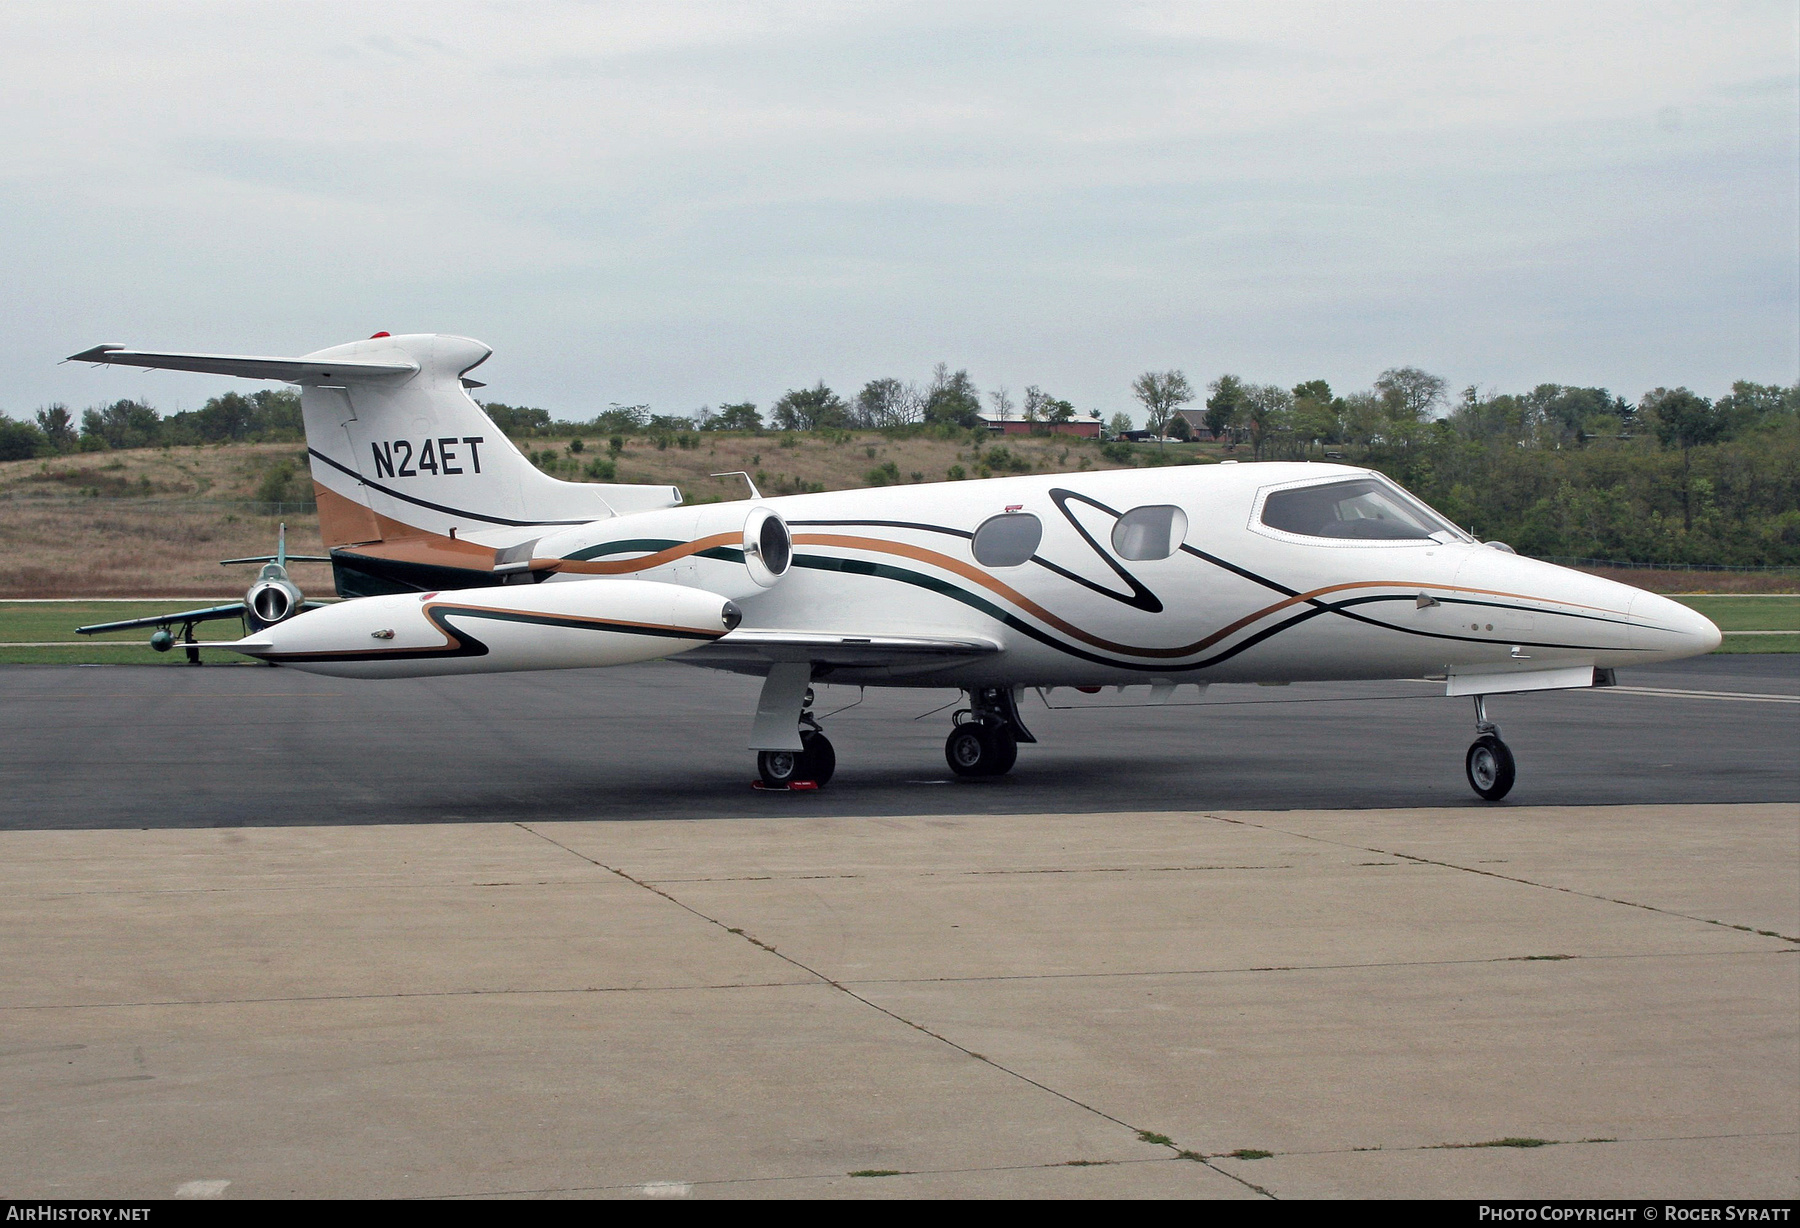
{"type": "Point", "coordinates": [269, 601]}
{"type": "Point", "coordinates": [494, 630]}
{"type": "Point", "coordinates": [734, 549]}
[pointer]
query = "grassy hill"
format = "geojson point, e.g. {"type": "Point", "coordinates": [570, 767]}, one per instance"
{"type": "Point", "coordinates": [153, 522]}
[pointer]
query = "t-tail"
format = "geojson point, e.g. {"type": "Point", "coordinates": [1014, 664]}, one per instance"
{"type": "Point", "coordinates": [417, 488]}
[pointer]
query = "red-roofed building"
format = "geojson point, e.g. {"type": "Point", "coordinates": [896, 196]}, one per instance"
{"type": "Point", "coordinates": [1081, 428]}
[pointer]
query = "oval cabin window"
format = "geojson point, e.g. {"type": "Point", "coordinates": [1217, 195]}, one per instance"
{"type": "Point", "coordinates": [1007, 540]}
{"type": "Point", "coordinates": [1146, 533]}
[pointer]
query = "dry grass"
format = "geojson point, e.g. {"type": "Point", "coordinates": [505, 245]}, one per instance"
{"type": "Point", "coordinates": [153, 522]}
{"type": "Point", "coordinates": [224, 471]}
{"type": "Point", "coordinates": [1667, 580]}
{"type": "Point", "coordinates": [837, 461]}
{"type": "Point", "coordinates": [142, 548]}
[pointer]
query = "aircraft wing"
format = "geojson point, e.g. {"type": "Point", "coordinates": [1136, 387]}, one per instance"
{"type": "Point", "coordinates": [233, 610]}
{"type": "Point", "coordinates": [270, 558]}
{"type": "Point", "coordinates": [754, 651]}
{"type": "Point", "coordinates": [292, 370]}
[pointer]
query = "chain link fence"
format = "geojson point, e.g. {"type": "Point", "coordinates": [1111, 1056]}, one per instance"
{"type": "Point", "coordinates": [241, 507]}
{"type": "Point", "coordinates": [1571, 561]}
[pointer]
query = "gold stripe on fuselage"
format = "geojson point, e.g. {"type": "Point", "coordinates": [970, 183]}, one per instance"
{"type": "Point", "coordinates": [989, 582]}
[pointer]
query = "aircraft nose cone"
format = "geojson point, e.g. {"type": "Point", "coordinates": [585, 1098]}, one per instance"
{"type": "Point", "coordinates": [1683, 632]}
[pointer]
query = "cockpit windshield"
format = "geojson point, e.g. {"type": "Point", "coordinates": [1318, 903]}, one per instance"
{"type": "Point", "coordinates": [1366, 509]}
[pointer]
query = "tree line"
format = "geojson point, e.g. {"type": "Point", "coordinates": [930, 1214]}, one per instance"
{"type": "Point", "coordinates": [1557, 471]}
{"type": "Point", "coordinates": [948, 399]}
{"type": "Point", "coordinates": [270, 415]}
{"type": "Point", "coordinates": [1562, 471]}
{"type": "Point", "coordinates": [1673, 477]}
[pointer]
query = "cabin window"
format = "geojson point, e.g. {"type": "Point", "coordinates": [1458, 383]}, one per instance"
{"type": "Point", "coordinates": [1008, 540]}
{"type": "Point", "coordinates": [1146, 533]}
{"type": "Point", "coordinates": [1365, 509]}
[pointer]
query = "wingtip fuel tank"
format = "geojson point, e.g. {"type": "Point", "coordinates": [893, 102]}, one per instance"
{"type": "Point", "coordinates": [496, 630]}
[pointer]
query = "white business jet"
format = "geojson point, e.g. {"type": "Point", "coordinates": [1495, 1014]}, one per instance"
{"type": "Point", "coordinates": [465, 558]}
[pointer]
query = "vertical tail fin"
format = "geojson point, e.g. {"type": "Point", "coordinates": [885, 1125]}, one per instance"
{"type": "Point", "coordinates": [414, 455]}
{"type": "Point", "coordinates": [399, 450]}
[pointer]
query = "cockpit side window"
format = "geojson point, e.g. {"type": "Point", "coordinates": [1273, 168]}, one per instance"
{"type": "Point", "coordinates": [1147, 533]}
{"type": "Point", "coordinates": [1363, 509]}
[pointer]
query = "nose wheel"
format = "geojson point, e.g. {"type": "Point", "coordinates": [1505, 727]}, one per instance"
{"type": "Point", "coordinates": [815, 761]}
{"type": "Point", "coordinates": [1490, 767]}
{"type": "Point", "coordinates": [1489, 763]}
{"type": "Point", "coordinates": [812, 764]}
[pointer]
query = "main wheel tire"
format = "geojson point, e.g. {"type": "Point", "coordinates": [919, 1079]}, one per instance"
{"type": "Point", "coordinates": [975, 749]}
{"type": "Point", "coordinates": [818, 759]}
{"type": "Point", "coordinates": [1489, 765]}
{"type": "Point", "coordinates": [1006, 751]}
{"type": "Point", "coordinates": [780, 768]}
{"type": "Point", "coordinates": [966, 750]}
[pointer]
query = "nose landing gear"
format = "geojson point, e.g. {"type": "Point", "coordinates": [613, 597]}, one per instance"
{"type": "Point", "coordinates": [1489, 763]}
{"type": "Point", "coordinates": [814, 762]}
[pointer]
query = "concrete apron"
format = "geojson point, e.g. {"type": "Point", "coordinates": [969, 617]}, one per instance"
{"type": "Point", "coordinates": [1388, 1003]}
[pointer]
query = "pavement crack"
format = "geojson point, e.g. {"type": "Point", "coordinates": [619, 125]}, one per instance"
{"type": "Point", "coordinates": [1416, 859]}
{"type": "Point", "coordinates": [266, 889]}
{"type": "Point", "coordinates": [123, 1004]}
{"type": "Point", "coordinates": [756, 878]}
{"type": "Point", "coordinates": [1106, 870]}
{"type": "Point", "coordinates": [1523, 1142]}
{"type": "Point", "coordinates": [831, 1176]}
{"type": "Point", "coordinates": [394, 995]}
{"type": "Point", "coordinates": [799, 878]}
{"type": "Point", "coordinates": [841, 987]}
{"type": "Point", "coordinates": [1367, 965]}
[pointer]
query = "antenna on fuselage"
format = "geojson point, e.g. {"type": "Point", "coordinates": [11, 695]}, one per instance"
{"type": "Point", "coordinates": [739, 473]}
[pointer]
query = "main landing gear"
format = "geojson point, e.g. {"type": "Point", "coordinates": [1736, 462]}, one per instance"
{"type": "Point", "coordinates": [813, 763]}
{"type": "Point", "coordinates": [984, 740]}
{"type": "Point", "coordinates": [984, 737]}
{"type": "Point", "coordinates": [1489, 762]}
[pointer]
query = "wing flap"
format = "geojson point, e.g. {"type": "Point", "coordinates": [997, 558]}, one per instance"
{"type": "Point", "coordinates": [753, 648]}
{"type": "Point", "coordinates": [291, 370]}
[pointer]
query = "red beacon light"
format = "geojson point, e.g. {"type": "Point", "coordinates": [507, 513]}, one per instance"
{"type": "Point", "coordinates": [380, 335]}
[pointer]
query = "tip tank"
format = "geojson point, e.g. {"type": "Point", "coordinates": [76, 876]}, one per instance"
{"type": "Point", "coordinates": [575, 625]}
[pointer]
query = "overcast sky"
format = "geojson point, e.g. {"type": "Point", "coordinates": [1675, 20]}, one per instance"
{"type": "Point", "coordinates": [694, 204]}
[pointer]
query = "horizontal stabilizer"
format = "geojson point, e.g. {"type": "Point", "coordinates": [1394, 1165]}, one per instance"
{"type": "Point", "coordinates": [291, 370]}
